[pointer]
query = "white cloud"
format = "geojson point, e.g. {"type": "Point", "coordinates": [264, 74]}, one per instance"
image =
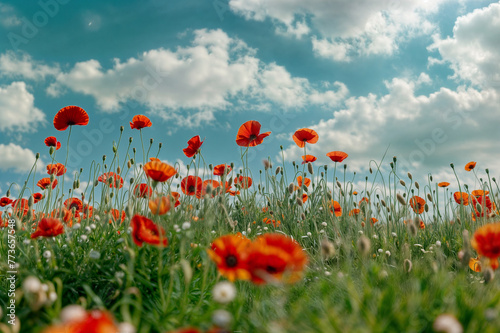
{"type": "Point", "coordinates": [188, 85]}
{"type": "Point", "coordinates": [23, 66]}
{"type": "Point", "coordinates": [17, 109]}
{"type": "Point", "coordinates": [17, 158]}
{"type": "Point", "coordinates": [343, 29]}
{"type": "Point", "coordinates": [474, 49]}
{"type": "Point", "coordinates": [426, 132]}
{"type": "Point", "coordinates": [8, 17]}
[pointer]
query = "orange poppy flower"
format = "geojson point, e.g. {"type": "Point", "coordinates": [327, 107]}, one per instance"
{"type": "Point", "coordinates": [51, 141]}
{"type": "Point", "coordinates": [444, 184]}
{"type": "Point", "coordinates": [276, 257]}
{"type": "Point", "coordinates": [373, 220]}
{"type": "Point", "coordinates": [469, 166]}
{"type": "Point", "coordinates": [475, 264]}
{"type": "Point", "coordinates": [221, 169]}
{"type": "Point", "coordinates": [143, 190]}
{"type": "Point", "coordinates": [45, 182]}
{"type": "Point", "coordinates": [364, 201]}
{"type": "Point", "coordinates": [159, 206]}
{"type": "Point", "coordinates": [65, 214]}
{"type": "Point", "coordinates": [192, 185]}
{"type": "Point", "coordinates": [159, 171]}
{"type": "Point", "coordinates": [176, 196]}
{"type": "Point", "coordinates": [486, 241]}
{"type": "Point", "coordinates": [116, 215]}
{"type": "Point", "coordinates": [336, 208]}
{"type": "Point", "coordinates": [116, 182]}
{"type": "Point", "coordinates": [144, 230]}
{"type": "Point", "coordinates": [95, 321]}
{"type": "Point", "coordinates": [58, 169]}
{"type": "Point", "coordinates": [269, 221]}
{"type": "Point", "coordinates": [307, 181]}
{"type": "Point", "coordinates": [244, 182]}
{"type": "Point", "coordinates": [20, 206]}
{"type": "Point", "coordinates": [487, 206]}
{"type": "Point", "coordinates": [213, 183]}
{"type": "Point", "coordinates": [461, 197]}
{"type": "Point", "coordinates": [37, 197]}
{"type": "Point", "coordinates": [354, 212]}
{"type": "Point", "coordinates": [337, 156]}
{"type": "Point", "coordinates": [355, 193]}
{"type": "Point", "coordinates": [304, 135]}
{"type": "Point", "coordinates": [234, 193]}
{"type": "Point", "coordinates": [308, 158]}
{"type": "Point", "coordinates": [194, 145]}
{"type": "Point", "coordinates": [418, 204]}
{"type": "Point", "coordinates": [5, 201]}
{"type": "Point", "coordinates": [421, 224]}
{"type": "Point", "coordinates": [74, 203]}
{"type": "Point", "coordinates": [479, 193]}
{"type": "Point", "coordinates": [249, 134]}
{"type": "Point", "coordinates": [48, 227]}
{"type": "Point", "coordinates": [88, 211]}
{"type": "Point", "coordinates": [139, 121]}
{"type": "Point", "coordinates": [69, 116]}
{"type": "Point", "coordinates": [230, 254]}
{"type": "Point", "coordinates": [304, 197]}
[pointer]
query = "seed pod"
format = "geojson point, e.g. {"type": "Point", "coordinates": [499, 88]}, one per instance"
{"type": "Point", "coordinates": [151, 141]}
{"type": "Point", "coordinates": [129, 165]}
{"type": "Point", "coordinates": [130, 140]}
{"type": "Point", "coordinates": [160, 145]}
{"type": "Point", "coordinates": [383, 203]}
{"type": "Point", "coordinates": [429, 197]}
{"type": "Point", "coordinates": [310, 168]}
{"type": "Point", "coordinates": [291, 187]}
{"type": "Point", "coordinates": [417, 185]}
{"type": "Point", "coordinates": [426, 207]}
{"type": "Point", "coordinates": [479, 208]}
{"type": "Point", "coordinates": [363, 245]}
{"type": "Point", "coordinates": [278, 169]}
{"type": "Point", "coordinates": [371, 171]}
{"type": "Point", "coordinates": [131, 180]}
{"type": "Point", "coordinates": [31, 201]}
{"type": "Point", "coordinates": [338, 184]}
{"type": "Point", "coordinates": [51, 150]}
{"type": "Point", "coordinates": [103, 158]}
{"type": "Point", "coordinates": [111, 195]}
{"type": "Point", "coordinates": [299, 202]}
{"type": "Point", "coordinates": [410, 176]}
{"type": "Point", "coordinates": [402, 182]}
{"type": "Point", "coordinates": [96, 183]}
{"type": "Point", "coordinates": [118, 170]}
{"type": "Point", "coordinates": [401, 199]}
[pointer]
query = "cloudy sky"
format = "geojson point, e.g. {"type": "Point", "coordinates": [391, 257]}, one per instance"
{"type": "Point", "coordinates": [418, 79]}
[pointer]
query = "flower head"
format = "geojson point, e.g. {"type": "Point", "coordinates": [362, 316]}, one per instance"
{"type": "Point", "coordinates": [116, 180]}
{"type": "Point", "coordinates": [230, 254]}
{"type": "Point", "coordinates": [159, 171]}
{"type": "Point", "coordinates": [57, 169]}
{"type": "Point", "coordinates": [44, 183]}
{"type": "Point", "coordinates": [69, 116]}
{"type": "Point", "coordinates": [305, 135]}
{"type": "Point", "coordinates": [51, 141]}
{"type": "Point", "coordinates": [418, 204]}
{"type": "Point", "coordinates": [143, 190]}
{"type": "Point", "coordinates": [144, 230]}
{"type": "Point", "coordinates": [308, 158]}
{"type": "Point", "coordinates": [194, 145]}
{"type": "Point", "coordinates": [48, 227]}
{"type": "Point", "coordinates": [192, 185]}
{"type": "Point", "coordinates": [249, 134]}
{"type": "Point", "coordinates": [337, 156]}
{"type": "Point", "coordinates": [139, 121]}
{"type": "Point", "coordinates": [469, 166]}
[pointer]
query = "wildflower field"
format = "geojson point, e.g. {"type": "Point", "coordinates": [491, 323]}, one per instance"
{"type": "Point", "coordinates": [288, 248]}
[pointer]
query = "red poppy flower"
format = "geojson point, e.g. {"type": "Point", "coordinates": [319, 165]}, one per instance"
{"type": "Point", "coordinates": [143, 190]}
{"type": "Point", "coordinates": [69, 116]}
{"type": "Point", "coordinates": [192, 185]}
{"type": "Point", "coordinates": [116, 180]}
{"type": "Point", "coordinates": [221, 169]}
{"type": "Point", "coordinates": [469, 166]}
{"type": "Point", "coordinates": [159, 171]}
{"type": "Point", "coordinates": [51, 141]}
{"type": "Point", "coordinates": [144, 230]}
{"type": "Point", "coordinates": [307, 182]}
{"type": "Point", "coordinates": [5, 201]}
{"type": "Point", "coordinates": [95, 321]}
{"type": "Point", "coordinates": [230, 254]}
{"type": "Point", "coordinates": [337, 209]}
{"type": "Point", "coordinates": [304, 135]}
{"type": "Point", "coordinates": [116, 215]}
{"type": "Point", "coordinates": [308, 158]}
{"type": "Point", "coordinates": [58, 169]}
{"type": "Point", "coordinates": [444, 184]}
{"type": "Point", "coordinates": [139, 121]}
{"type": "Point", "coordinates": [159, 206]}
{"type": "Point", "coordinates": [20, 206]}
{"type": "Point", "coordinates": [48, 227]}
{"type": "Point", "coordinates": [194, 145]}
{"type": "Point", "coordinates": [486, 241]}
{"type": "Point", "coordinates": [484, 201]}
{"type": "Point", "coordinates": [337, 156]}
{"type": "Point", "coordinates": [364, 201]}
{"type": "Point", "coordinates": [37, 197]}
{"type": "Point", "coordinates": [418, 204]}
{"type": "Point", "coordinates": [74, 203]}
{"type": "Point", "coordinates": [213, 183]}
{"type": "Point", "coordinates": [275, 257]}
{"type": "Point", "coordinates": [422, 224]}
{"type": "Point", "coordinates": [354, 212]}
{"type": "Point", "coordinates": [175, 196]}
{"type": "Point", "coordinates": [45, 182]}
{"type": "Point", "coordinates": [249, 134]}
{"type": "Point", "coordinates": [479, 193]}
{"type": "Point", "coordinates": [461, 197]}
{"type": "Point", "coordinates": [373, 220]}
{"type": "Point", "coordinates": [244, 182]}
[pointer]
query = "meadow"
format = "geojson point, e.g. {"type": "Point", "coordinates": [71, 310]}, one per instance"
{"type": "Point", "coordinates": [288, 248]}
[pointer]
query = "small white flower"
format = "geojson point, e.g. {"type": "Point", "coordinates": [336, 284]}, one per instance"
{"type": "Point", "coordinates": [97, 218]}
{"type": "Point", "coordinates": [126, 328]}
{"type": "Point", "coordinates": [265, 228]}
{"type": "Point", "coordinates": [320, 208]}
{"type": "Point", "coordinates": [327, 273]}
{"type": "Point", "coordinates": [94, 254]}
{"type": "Point", "coordinates": [380, 250]}
{"type": "Point", "coordinates": [45, 287]}
{"type": "Point", "coordinates": [213, 231]}
{"type": "Point", "coordinates": [438, 243]}
{"type": "Point", "coordinates": [309, 234]}
{"type": "Point", "coordinates": [93, 226]}
{"type": "Point", "coordinates": [394, 234]}
{"type": "Point", "coordinates": [129, 230]}
{"type": "Point", "coordinates": [47, 254]}
{"type": "Point", "coordinates": [186, 225]}
{"type": "Point", "coordinates": [76, 226]}
{"type": "Point", "coordinates": [87, 229]}
{"type": "Point", "coordinates": [388, 253]}
{"type": "Point", "coordinates": [65, 246]}
{"type": "Point", "coordinates": [322, 231]}
{"type": "Point", "coordinates": [83, 238]}
{"type": "Point", "coordinates": [224, 292]}
{"type": "Point", "coordinates": [32, 285]}
{"type": "Point", "coordinates": [26, 241]}
{"type": "Point", "coordinates": [249, 230]}
{"type": "Point", "coordinates": [52, 296]}
{"type": "Point", "coordinates": [447, 323]}
{"type": "Point", "coordinates": [120, 240]}
{"type": "Point", "coordinates": [244, 233]}
{"type": "Point", "coordinates": [221, 318]}
{"type": "Point", "coordinates": [73, 313]}
{"type": "Point", "coordinates": [375, 236]}
{"type": "Point", "coordinates": [324, 224]}
{"type": "Point", "coordinates": [360, 232]}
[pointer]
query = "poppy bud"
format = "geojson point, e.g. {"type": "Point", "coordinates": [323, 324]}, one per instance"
{"type": "Point", "coordinates": [118, 170]}
{"type": "Point", "coordinates": [151, 141]}
{"type": "Point", "coordinates": [401, 199]}
{"type": "Point", "coordinates": [310, 168]}
{"type": "Point", "coordinates": [129, 165]}
{"type": "Point", "coordinates": [110, 181]}
{"type": "Point", "coordinates": [8, 193]}
{"type": "Point", "coordinates": [327, 249]}
{"type": "Point", "coordinates": [96, 183]}
{"type": "Point", "coordinates": [31, 201]}
{"type": "Point", "coordinates": [326, 167]}
{"type": "Point", "coordinates": [487, 171]}
{"type": "Point", "coordinates": [131, 181]}
{"type": "Point", "coordinates": [134, 150]}
{"type": "Point", "coordinates": [488, 274]}
{"type": "Point", "coordinates": [338, 184]}
{"type": "Point", "coordinates": [371, 171]}
{"type": "Point", "coordinates": [281, 147]}
{"type": "Point", "coordinates": [291, 186]}
{"type": "Point", "coordinates": [429, 197]}
{"type": "Point", "coordinates": [129, 211]}
{"type": "Point", "coordinates": [392, 165]}
{"type": "Point", "coordinates": [160, 145]}
{"type": "Point", "coordinates": [303, 216]}
{"type": "Point", "coordinates": [103, 158]}
{"type": "Point", "coordinates": [115, 149]}
{"type": "Point", "coordinates": [402, 182]}
{"type": "Point", "coordinates": [278, 169]}
{"type": "Point", "coordinates": [293, 163]}
{"type": "Point", "coordinates": [430, 177]}
{"type": "Point", "coordinates": [74, 184]}
{"type": "Point", "coordinates": [329, 195]}
{"type": "Point", "coordinates": [452, 166]}
{"type": "Point", "coordinates": [383, 203]}
{"type": "Point", "coordinates": [230, 182]}
{"type": "Point", "coordinates": [417, 185]}
{"type": "Point", "coordinates": [299, 202]}
{"type": "Point", "coordinates": [211, 167]}
{"type": "Point", "coordinates": [132, 161]}
{"type": "Point", "coordinates": [322, 174]}
{"type": "Point", "coordinates": [37, 156]}
{"type": "Point", "coordinates": [111, 195]}
{"type": "Point", "coordinates": [410, 176]}
{"type": "Point", "coordinates": [479, 208]}
{"type": "Point", "coordinates": [51, 150]}
{"type": "Point", "coordinates": [130, 140]}
{"type": "Point", "coordinates": [394, 158]}
{"type": "Point", "coordinates": [426, 207]}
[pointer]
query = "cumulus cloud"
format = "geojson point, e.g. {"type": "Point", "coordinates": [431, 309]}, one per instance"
{"type": "Point", "coordinates": [8, 17]}
{"type": "Point", "coordinates": [16, 158]}
{"type": "Point", "coordinates": [14, 65]}
{"type": "Point", "coordinates": [17, 109]}
{"type": "Point", "coordinates": [340, 30]}
{"type": "Point", "coordinates": [189, 84]}
{"type": "Point", "coordinates": [474, 49]}
{"type": "Point", "coordinates": [426, 132]}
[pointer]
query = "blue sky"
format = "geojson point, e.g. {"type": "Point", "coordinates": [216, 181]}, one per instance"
{"type": "Point", "coordinates": [419, 78]}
